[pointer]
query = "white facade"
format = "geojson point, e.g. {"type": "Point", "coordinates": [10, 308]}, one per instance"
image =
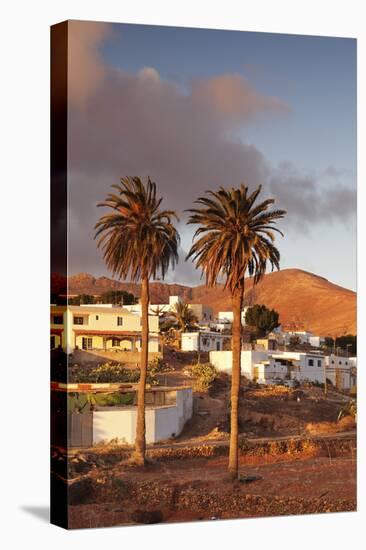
{"type": "Point", "coordinates": [203, 313]}
{"type": "Point", "coordinates": [341, 371]}
{"type": "Point", "coordinates": [267, 365]}
{"type": "Point", "coordinates": [228, 316]}
{"type": "Point", "coordinates": [202, 341]}
{"type": "Point", "coordinates": [162, 422]}
{"type": "Point", "coordinates": [222, 361]}
{"type": "Point", "coordinates": [316, 341]}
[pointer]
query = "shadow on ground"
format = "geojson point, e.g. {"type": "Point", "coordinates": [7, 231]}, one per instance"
{"type": "Point", "coordinates": [40, 512]}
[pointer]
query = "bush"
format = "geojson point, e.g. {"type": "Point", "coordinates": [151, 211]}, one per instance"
{"type": "Point", "coordinates": [204, 374]}
{"type": "Point", "coordinates": [109, 373]}
{"type": "Point", "coordinates": [350, 409]}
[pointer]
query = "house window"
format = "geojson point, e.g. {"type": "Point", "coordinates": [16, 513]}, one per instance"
{"type": "Point", "coordinates": [78, 320]}
{"type": "Point", "coordinates": [332, 362]}
{"type": "Point", "coordinates": [53, 342]}
{"type": "Point", "coordinates": [97, 317]}
{"type": "Point", "coordinates": [204, 341]}
{"type": "Point", "coordinates": [87, 343]}
{"type": "Point", "coordinates": [119, 321]}
{"type": "Point", "coordinates": [116, 342]}
{"type": "Point", "coordinates": [319, 363]}
{"type": "Point", "coordinates": [346, 363]}
{"type": "Point", "coordinates": [58, 320]}
{"type": "Point", "coordinates": [311, 362]}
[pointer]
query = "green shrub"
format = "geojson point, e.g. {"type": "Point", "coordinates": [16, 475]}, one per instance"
{"type": "Point", "coordinates": [113, 399]}
{"type": "Point", "coordinates": [109, 373]}
{"type": "Point", "coordinates": [204, 374]}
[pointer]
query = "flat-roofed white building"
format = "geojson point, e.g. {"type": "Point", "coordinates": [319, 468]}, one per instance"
{"type": "Point", "coordinates": [203, 341]}
{"type": "Point", "coordinates": [203, 312]}
{"type": "Point", "coordinates": [265, 365]}
{"type": "Point", "coordinates": [341, 371]}
{"type": "Point", "coordinates": [228, 316]}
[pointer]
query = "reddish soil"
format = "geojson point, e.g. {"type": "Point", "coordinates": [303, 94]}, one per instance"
{"type": "Point", "coordinates": [199, 489]}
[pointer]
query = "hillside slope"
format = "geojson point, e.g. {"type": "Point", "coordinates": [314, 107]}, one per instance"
{"type": "Point", "coordinates": [303, 300]}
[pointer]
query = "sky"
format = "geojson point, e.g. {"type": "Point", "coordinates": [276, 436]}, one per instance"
{"type": "Point", "coordinates": [195, 109]}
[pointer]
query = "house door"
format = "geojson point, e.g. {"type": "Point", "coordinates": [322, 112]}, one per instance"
{"type": "Point", "coordinates": [87, 343]}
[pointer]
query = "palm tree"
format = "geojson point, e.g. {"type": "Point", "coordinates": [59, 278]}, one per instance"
{"type": "Point", "coordinates": [234, 238]}
{"type": "Point", "coordinates": [183, 316]}
{"type": "Point", "coordinates": [138, 241]}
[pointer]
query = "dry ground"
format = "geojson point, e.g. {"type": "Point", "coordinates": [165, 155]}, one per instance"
{"type": "Point", "coordinates": [192, 489]}
{"type": "Point", "coordinates": [186, 479]}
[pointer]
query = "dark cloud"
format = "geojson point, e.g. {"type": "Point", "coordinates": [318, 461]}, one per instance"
{"type": "Point", "coordinates": [311, 199]}
{"type": "Point", "coordinates": [187, 141]}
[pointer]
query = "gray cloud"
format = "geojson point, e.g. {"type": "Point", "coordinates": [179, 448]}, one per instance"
{"type": "Point", "coordinates": [187, 141]}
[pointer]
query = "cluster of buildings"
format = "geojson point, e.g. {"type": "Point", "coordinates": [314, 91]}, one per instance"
{"type": "Point", "coordinates": [266, 366]}
{"type": "Point", "coordinates": [104, 329]}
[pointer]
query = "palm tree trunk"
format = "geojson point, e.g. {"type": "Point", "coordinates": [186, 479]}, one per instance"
{"type": "Point", "coordinates": [140, 441]}
{"type": "Point", "coordinates": [237, 304]}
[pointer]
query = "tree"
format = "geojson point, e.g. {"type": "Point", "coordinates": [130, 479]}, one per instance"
{"type": "Point", "coordinates": [118, 297]}
{"type": "Point", "coordinates": [234, 239]}
{"type": "Point", "coordinates": [81, 299]}
{"type": "Point", "coordinates": [264, 319]}
{"type": "Point", "coordinates": [138, 240]}
{"type": "Point", "coordinates": [183, 317]}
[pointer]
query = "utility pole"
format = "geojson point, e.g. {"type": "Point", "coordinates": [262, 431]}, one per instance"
{"type": "Point", "coordinates": [325, 378]}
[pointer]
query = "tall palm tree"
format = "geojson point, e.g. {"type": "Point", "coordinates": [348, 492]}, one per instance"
{"type": "Point", "coordinates": [234, 239]}
{"type": "Point", "coordinates": [138, 240]}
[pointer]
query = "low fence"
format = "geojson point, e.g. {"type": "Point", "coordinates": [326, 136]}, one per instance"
{"type": "Point", "coordinates": [119, 356]}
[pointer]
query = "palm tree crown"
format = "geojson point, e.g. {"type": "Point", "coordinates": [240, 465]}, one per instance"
{"type": "Point", "coordinates": [237, 236]}
{"type": "Point", "coordinates": [138, 239]}
{"type": "Point", "coordinates": [183, 316]}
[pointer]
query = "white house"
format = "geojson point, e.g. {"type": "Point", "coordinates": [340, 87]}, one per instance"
{"type": "Point", "coordinates": [222, 361]}
{"type": "Point", "coordinates": [228, 316]}
{"type": "Point", "coordinates": [103, 327]}
{"type": "Point", "coordinates": [304, 337]}
{"type": "Point", "coordinates": [303, 366]}
{"type": "Point", "coordinates": [203, 313]}
{"type": "Point", "coordinates": [203, 341]}
{"type": "Point", "coordinates": [266, 365]}
{"type": "Point", "coordinates": [341, 371]}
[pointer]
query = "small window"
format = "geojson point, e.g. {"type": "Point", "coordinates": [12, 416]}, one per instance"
{"type": "Point", "coordinates": [311, 362]}
{"type": "Point", "coordinates": [346, 363]}
{"type": "Point", "coordinates": [58, 320]}
{"type": "Point", "coordinates": [97, 317]}
{"type": "Point", "coordinates": [116, 342]}
{"type": "Point", "coordinates": [332, 362]}
{"type": "Point", "coordinates": [78, 320]}
{"type": "Point", "coordinates": [87, 343]}
{"type": "Point", "coordinates": [204, 341]}
{"type": "Point", "coordinates": [339, 362]}
{"type": "Point", "coordinates": [319, 363]}
{"type": "Point", "coordinates": [53, 342]}
{"type": "Point", "coordinates": [119, 321]}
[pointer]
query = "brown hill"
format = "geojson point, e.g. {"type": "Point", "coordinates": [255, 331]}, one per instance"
{"type": "Point", "coordinates": [303, 300]}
